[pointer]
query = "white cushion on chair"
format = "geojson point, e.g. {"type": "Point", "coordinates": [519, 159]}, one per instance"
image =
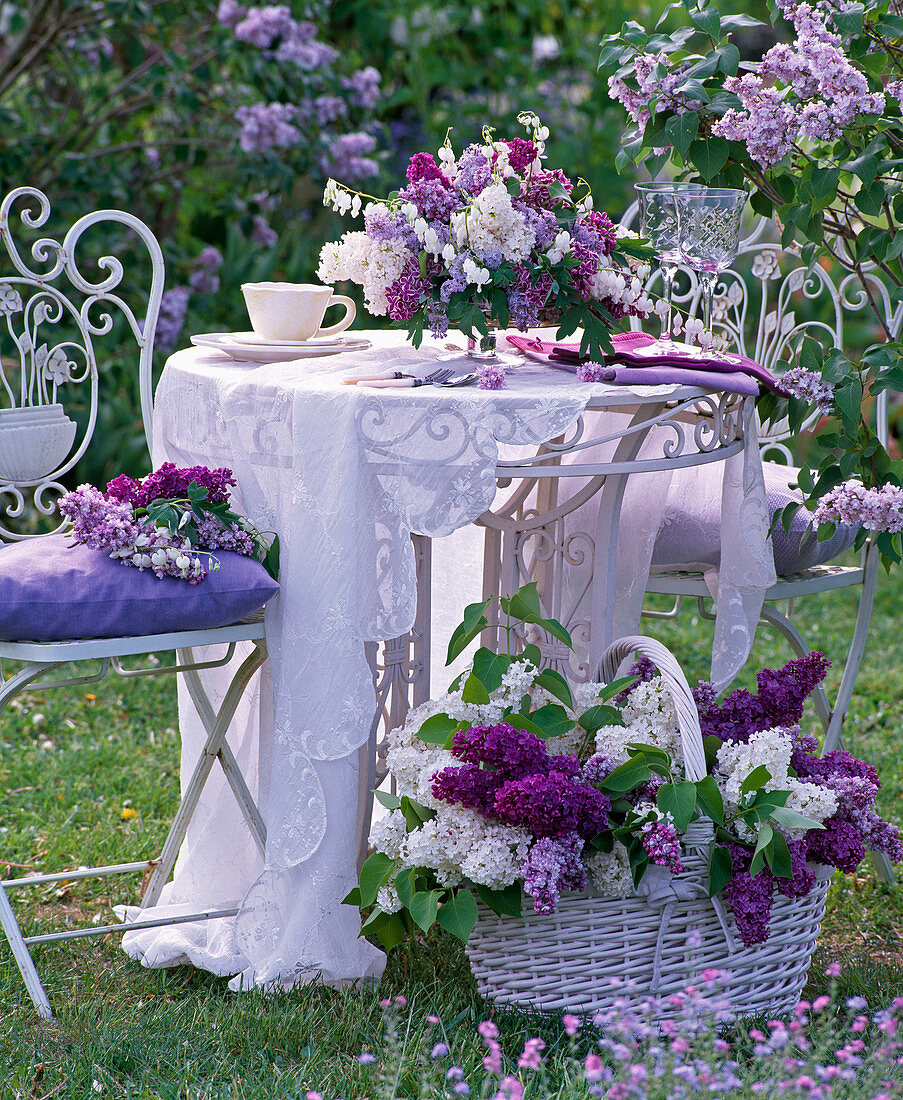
{"type": "Point", "coordinates": [689, 535]}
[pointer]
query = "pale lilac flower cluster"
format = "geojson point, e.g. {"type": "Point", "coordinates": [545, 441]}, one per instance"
{"type": "Point", "coordinates": [654, 77]}
{"type": "Point", "coordinates": [554, 865]}
{"type": "Point", "coordinates": [662, 844]}
{"type": "Point", "coordinates": [853, 505]}
{"type": "Point", "coordinates": [485, 219]}
{"type": "Point", "coordinates": [267, 126]}
{"type": "Point", "coordinates": [105, 524]}
{"type": "Point", "coordinates": [349, 155]}
{"type": "Point", "coordinates": [808, 90]}
{"type": "Point", "coordinates": [204, 278]}
{"type": "Point", "coordinates": [492, 377]}
{"type": "Point", "coordinates": [809, 386]}
{"type": "Point", "coordinates": [116, 522]}
{"type": "Point", "coordinates": [327, 97]}
{"type": "Point", "coordinates": [363, 86]}
{"type": "Point", "coordinates": [594, 372]}
{"type": "Point", "coordinates": [171, 319]}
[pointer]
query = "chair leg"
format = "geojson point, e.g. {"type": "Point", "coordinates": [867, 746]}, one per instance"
{"type": "Point", "coordinates": [23, 958]}
{"type": "Point", "coordinates": [857, 649]}
{"type": "Point", "coordinates": [216, 723]}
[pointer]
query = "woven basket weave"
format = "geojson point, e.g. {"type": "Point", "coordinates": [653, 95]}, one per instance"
{"type": "Point", "coordinates": [578, 957]}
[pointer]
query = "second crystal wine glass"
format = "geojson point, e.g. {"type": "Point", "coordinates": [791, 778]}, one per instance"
{"type": "Point", "coordinates": [709, 236]}
{"type": "Point", "coordinates": [658, 222]}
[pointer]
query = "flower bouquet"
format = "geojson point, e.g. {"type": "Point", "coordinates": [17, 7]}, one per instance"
{"type": "Point", "coordinates": [518, 791]}
{"type": "Point", "coordinates": [168, 522]}
{"type": "Point", "coordinates": [489, 236]}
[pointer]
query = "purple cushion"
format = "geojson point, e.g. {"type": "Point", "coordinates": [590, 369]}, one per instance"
{"type": "Point", "coordinates": [53, 591]}
{"type": "Point", "coordinates": [690, 532]}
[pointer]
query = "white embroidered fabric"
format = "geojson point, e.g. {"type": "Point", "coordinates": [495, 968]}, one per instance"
{"type": "Point", "coordinates": [343, 474]}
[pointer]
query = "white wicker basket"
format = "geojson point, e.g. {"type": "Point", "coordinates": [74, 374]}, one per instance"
{"type": "Point", "coordinates": [579, 957]}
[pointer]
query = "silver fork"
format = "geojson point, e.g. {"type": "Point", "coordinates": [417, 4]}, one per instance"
{"type": "Point", "coordinates": [461, 380]}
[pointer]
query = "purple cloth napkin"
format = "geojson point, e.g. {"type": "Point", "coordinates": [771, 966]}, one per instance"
{"type": "Point", "coordinates": [641, 360]}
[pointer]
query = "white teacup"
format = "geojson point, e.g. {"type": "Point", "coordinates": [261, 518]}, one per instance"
{"type": "Point", "coordinates": [294, 311]}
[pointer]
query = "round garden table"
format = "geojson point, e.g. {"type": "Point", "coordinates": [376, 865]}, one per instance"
{"type": "Point", "coordinates": [346, 475]}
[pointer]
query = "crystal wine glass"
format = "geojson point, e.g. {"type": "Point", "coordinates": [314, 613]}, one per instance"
{"type": "Point", "coordinates": [658, 222]}
{"type": "Point", "coordinates": [709, 236]}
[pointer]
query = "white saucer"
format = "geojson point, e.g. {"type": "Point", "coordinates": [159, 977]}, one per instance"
{"type": "Point", "coordinates": [274, 353]}
{"type": "Point", "coordinates": [260, 341]}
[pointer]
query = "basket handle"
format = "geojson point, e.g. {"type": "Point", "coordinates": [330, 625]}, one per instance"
{"type": "Point", "coordinates": [672, 674]}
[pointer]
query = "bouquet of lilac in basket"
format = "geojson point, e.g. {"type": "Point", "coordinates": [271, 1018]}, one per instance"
{"type": "Point", "coordinates": [518, 783]}
{"type": "Point", "coordinates": [490, 236]}
{"type": "Point", "coordinates": [168, 522]}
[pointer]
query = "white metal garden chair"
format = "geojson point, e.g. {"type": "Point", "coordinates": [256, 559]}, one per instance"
{"type": "Point", "coordinates": [764, 306]}
{"type": "Point", "coordinates": [53, 316]}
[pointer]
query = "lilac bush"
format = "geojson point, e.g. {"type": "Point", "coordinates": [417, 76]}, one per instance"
{"type": "Point", "coordinates": [814, 128]}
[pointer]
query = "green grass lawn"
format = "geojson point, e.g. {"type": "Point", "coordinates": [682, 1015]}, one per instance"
{"type": "Point", "coordinates": [91, 776]}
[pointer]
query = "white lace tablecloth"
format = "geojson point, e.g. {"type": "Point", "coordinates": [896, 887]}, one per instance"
{"type": "Point", "coordinates": [344, 475]}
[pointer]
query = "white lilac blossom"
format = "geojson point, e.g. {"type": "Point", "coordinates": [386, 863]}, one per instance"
{"type": "Point", "coordinates": [854, 505]}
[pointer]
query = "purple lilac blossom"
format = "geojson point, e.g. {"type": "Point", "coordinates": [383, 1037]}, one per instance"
{"type": "Point", "coordinates": [213, 535]}
{"type": "Point", "coordinates": [521, 153]}
{"type": "Point", "coordinates": [381, 224]}
{"type": "Point", "coordinates": [329, 108]}
{"type": "Point", "coordinates": [597, 769]}
{"type": "Point", "coordinates": [750, 897]}
{"type": "Point", "coordinates": [262, 27]}
{"type": "Point", "coordinates": [469, 786]}
{"type": "Point", "coordinates": [347, 156]}
{"type": "Point", "coordinates": [513, 753]}
{"type": "Point", "coordinates": [809, 386]}
{"type": "Point", "coordinates": [662, 844]}
{"type": "Point", "coordinates": [171, 319]}
{"type": "Point", "coordinates": [594, 372]}
{"type": "Point", "coordinates": [267, 126]}
{"type": "Point", "coordinates": [552, 806]}
{"type": "Point", "coordinates": [537, 194]}
{"type": "Point", "coordinates": [230, 13]}
{"type": "Point", "coordinates": [654, 78]}
{"type": "Point", "coordinates": [779, 701]}
{"type": "Point", "coordinates": [302, 49]}
{"type": "Point", "coordinates": [404, 294]}
{"type": "Point", "coordinates": [363, 86]}
{"type": "Point", "coordinates": [644, 670]}
{"type": "Point", "coordinates": [492, 377]}
{"type": "Point", "coordinates": [262, 233]}
{"type": "Point", "coordinates": [551, 866]}
{"type": "Point", "coordinates": [854, 505]}
{"type": "Point", "coordinates": [434, 200]}
{"type": "Point", "coordinates": [474, 171]}
{"type": "Point", "coordinates": [437, 319]}
{"type": "Point", "coordinates": [172, 482]}
{"type": "Point", "coordinates": [97, 521]}
{"type": "Point", "coordinates": [423, 166]}
{"type": "Point", "coordinates": [809, 90]}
